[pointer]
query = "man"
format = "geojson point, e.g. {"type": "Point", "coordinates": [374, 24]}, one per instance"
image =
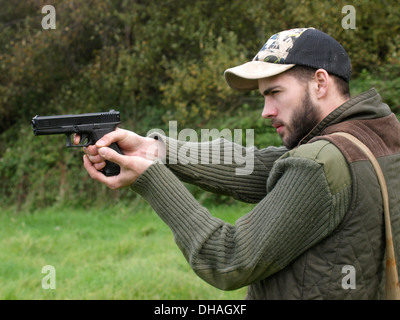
{"type": "Point", "coordinates": [317, 230]}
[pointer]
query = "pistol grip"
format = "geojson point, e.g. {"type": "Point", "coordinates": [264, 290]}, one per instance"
{"type": "Point", "coordinates": [111, 168]}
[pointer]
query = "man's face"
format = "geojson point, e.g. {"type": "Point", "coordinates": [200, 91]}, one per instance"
{"type": "Point", "coordinates": [289, 105]}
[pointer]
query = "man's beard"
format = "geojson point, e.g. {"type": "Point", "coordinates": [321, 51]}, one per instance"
{"type": "Point", "coordinates": [303, 120]}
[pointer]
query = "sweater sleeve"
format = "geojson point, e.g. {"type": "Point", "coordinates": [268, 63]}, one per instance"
{"type": "Point", "coordinates": [236, 171]}
{"type": "Point", "coordinates": [298, 211]}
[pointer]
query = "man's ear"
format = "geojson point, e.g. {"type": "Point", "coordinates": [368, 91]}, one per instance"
{"type": "Point", "coordinates": [321, 83]}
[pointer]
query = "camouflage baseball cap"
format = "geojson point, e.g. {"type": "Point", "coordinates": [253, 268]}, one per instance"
{"type": "Point", "coordinates": [301, 46]}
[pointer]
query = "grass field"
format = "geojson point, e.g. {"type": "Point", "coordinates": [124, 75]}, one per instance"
{"type": "Point", "coordinates": [124, 252]}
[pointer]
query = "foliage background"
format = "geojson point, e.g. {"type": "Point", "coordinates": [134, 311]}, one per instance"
{"type": "Point", "coordinates": [154, 61]}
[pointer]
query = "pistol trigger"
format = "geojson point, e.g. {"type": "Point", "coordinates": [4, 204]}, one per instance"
{"type": "Point", "coordinates": [85, 140]}
{"type": "Point", "coordinates": [90, 141]}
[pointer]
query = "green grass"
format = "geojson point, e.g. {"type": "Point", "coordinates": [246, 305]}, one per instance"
{"type": "Point", "coordinates": [114, 253]}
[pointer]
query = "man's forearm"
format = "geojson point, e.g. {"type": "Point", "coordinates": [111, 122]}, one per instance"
{"type": "Point", "coordinates": [222, 167]}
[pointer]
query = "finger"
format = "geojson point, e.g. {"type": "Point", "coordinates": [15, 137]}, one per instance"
{"type": "Point", "coordinates": [96, 159]}
{"type": "Point", "coordinates": [91, 150]}
{"type": "Point", "coordinates": [98, 162]}
{"type": "Point", "coordinates": [112, 155]}
{"type": "Point", "coordinates": [93, 172]}
{"type": "Point", "coordinates": [99, 165]}
{"type": "Point", "coordinates": [98, 175]}
{"type": "Point", "coordinates": [114, 136]}
{"type": "Point", "coordinates": [127, 176]}
{"type": "Point", "coordinates": [77, 138]}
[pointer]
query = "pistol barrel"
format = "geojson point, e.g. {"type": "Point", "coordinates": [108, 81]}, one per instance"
{"type": "Point", "coordinates": [64, 124]}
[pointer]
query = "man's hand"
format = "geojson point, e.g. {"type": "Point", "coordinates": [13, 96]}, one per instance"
{"type": "Point", "coordinates": [138, 154]}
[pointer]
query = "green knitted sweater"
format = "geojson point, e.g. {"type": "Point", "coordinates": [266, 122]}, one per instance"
{"type": "Point", "coordinates": [302, 198]}
{"type": "Point", "coordinates": [300, 209]}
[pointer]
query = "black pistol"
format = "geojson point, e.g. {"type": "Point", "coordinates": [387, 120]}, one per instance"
{"type": "Point", "coordinates": [90, 126]}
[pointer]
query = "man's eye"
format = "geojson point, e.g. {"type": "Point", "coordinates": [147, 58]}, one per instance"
{"type": "Point", "coordinates": [274, 92]}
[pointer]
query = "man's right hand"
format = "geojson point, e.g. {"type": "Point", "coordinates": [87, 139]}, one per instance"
{"type": "Point", "coordinates": [138, 154]}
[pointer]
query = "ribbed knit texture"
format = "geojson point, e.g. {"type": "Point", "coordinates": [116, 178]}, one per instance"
{"type": "Point", "coordinates": [222, 177]}
{"type": "Point", "coordinates": [283, 225]}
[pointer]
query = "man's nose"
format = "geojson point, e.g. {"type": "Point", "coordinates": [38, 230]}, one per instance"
{"type": "Point", "coordinates": [269, 111]}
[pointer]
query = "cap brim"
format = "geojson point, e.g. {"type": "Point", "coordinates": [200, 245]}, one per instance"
{"type": "Point", "coordinates": [245, 77]}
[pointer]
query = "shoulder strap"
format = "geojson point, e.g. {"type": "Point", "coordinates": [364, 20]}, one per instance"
{"type": "Point", "coordinates": [392, 279]}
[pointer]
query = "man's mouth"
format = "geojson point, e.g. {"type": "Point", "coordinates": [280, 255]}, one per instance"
{"type": "Point", "coordinates": [278, 126]}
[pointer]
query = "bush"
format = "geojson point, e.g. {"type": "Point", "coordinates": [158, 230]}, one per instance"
{"type": "Point", "coordinates": [154, 61]}
{"type": "Point", "coordinates": [385, 79]}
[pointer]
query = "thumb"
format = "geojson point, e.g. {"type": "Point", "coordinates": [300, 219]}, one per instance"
{"type": "Point", "coordinates": [113, 136]}
{"type": "Point", "coordinates": [112, 155]}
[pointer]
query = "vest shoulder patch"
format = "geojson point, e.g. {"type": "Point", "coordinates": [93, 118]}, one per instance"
{"type": "Point", "coordinates": [326, 154]}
